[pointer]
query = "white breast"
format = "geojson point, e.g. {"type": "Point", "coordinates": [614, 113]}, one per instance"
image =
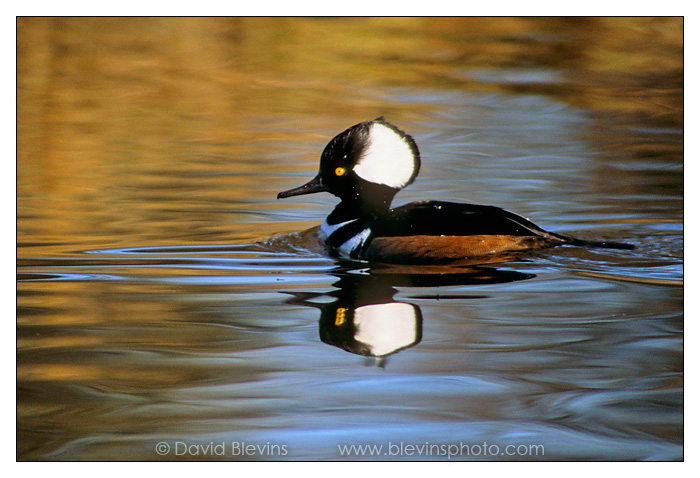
{"type": "Point", "coordinates": [327, 229]}
{"type": "Point", "coordinates": [354, 242]}
{"type": "Point", "coordinates": [351, 244]}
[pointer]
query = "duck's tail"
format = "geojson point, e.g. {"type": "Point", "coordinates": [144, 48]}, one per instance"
{"type": "Point", "coordinates": [585, 243]}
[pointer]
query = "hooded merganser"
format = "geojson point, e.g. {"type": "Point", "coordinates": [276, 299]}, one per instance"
{"type": "Point", "coordinates": [366, 165]}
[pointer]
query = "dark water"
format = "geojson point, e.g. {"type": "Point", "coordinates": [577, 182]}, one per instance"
{"type": "Point", "coordinates": [169, 307]}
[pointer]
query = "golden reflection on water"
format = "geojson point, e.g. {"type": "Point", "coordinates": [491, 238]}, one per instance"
{"type": "Point", "coordinates": [117, 116]}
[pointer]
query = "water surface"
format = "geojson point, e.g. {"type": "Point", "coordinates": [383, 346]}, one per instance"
{"type": "Point", "coordinates": [169, 307]}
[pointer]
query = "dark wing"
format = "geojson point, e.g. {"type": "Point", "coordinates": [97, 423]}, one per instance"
{"type": "Point", "coordinates": [439, 218]}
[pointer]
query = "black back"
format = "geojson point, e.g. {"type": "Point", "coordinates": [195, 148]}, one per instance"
{"type": "Point", "coordinates": [439, 218]}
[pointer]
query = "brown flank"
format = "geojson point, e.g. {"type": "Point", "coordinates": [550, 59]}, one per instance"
{"type": "Point", "coordinates": [436, 248]}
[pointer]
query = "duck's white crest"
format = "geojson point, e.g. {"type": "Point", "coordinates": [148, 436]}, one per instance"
{"type": "Point", "coordinates": [388, 158]}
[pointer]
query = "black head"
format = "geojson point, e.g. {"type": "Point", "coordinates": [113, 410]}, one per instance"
{"type": "Point", "coordinates": [373, 158]}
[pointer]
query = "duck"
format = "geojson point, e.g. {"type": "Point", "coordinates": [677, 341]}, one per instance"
{"type": "Point", "coordinates": [366, 165]}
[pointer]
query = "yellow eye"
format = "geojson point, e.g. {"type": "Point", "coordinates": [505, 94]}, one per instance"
{"type": "Point", "coordinates": [339, 171]}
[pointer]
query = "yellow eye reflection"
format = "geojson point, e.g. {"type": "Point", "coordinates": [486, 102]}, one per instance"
{"type": "Point", "coordinates": [340, 313]}
{"type": "Point", "coordinates": [339, 171]}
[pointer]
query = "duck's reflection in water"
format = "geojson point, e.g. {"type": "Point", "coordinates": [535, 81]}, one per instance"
{"type": "Point", "coordinates": [363, 318]}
